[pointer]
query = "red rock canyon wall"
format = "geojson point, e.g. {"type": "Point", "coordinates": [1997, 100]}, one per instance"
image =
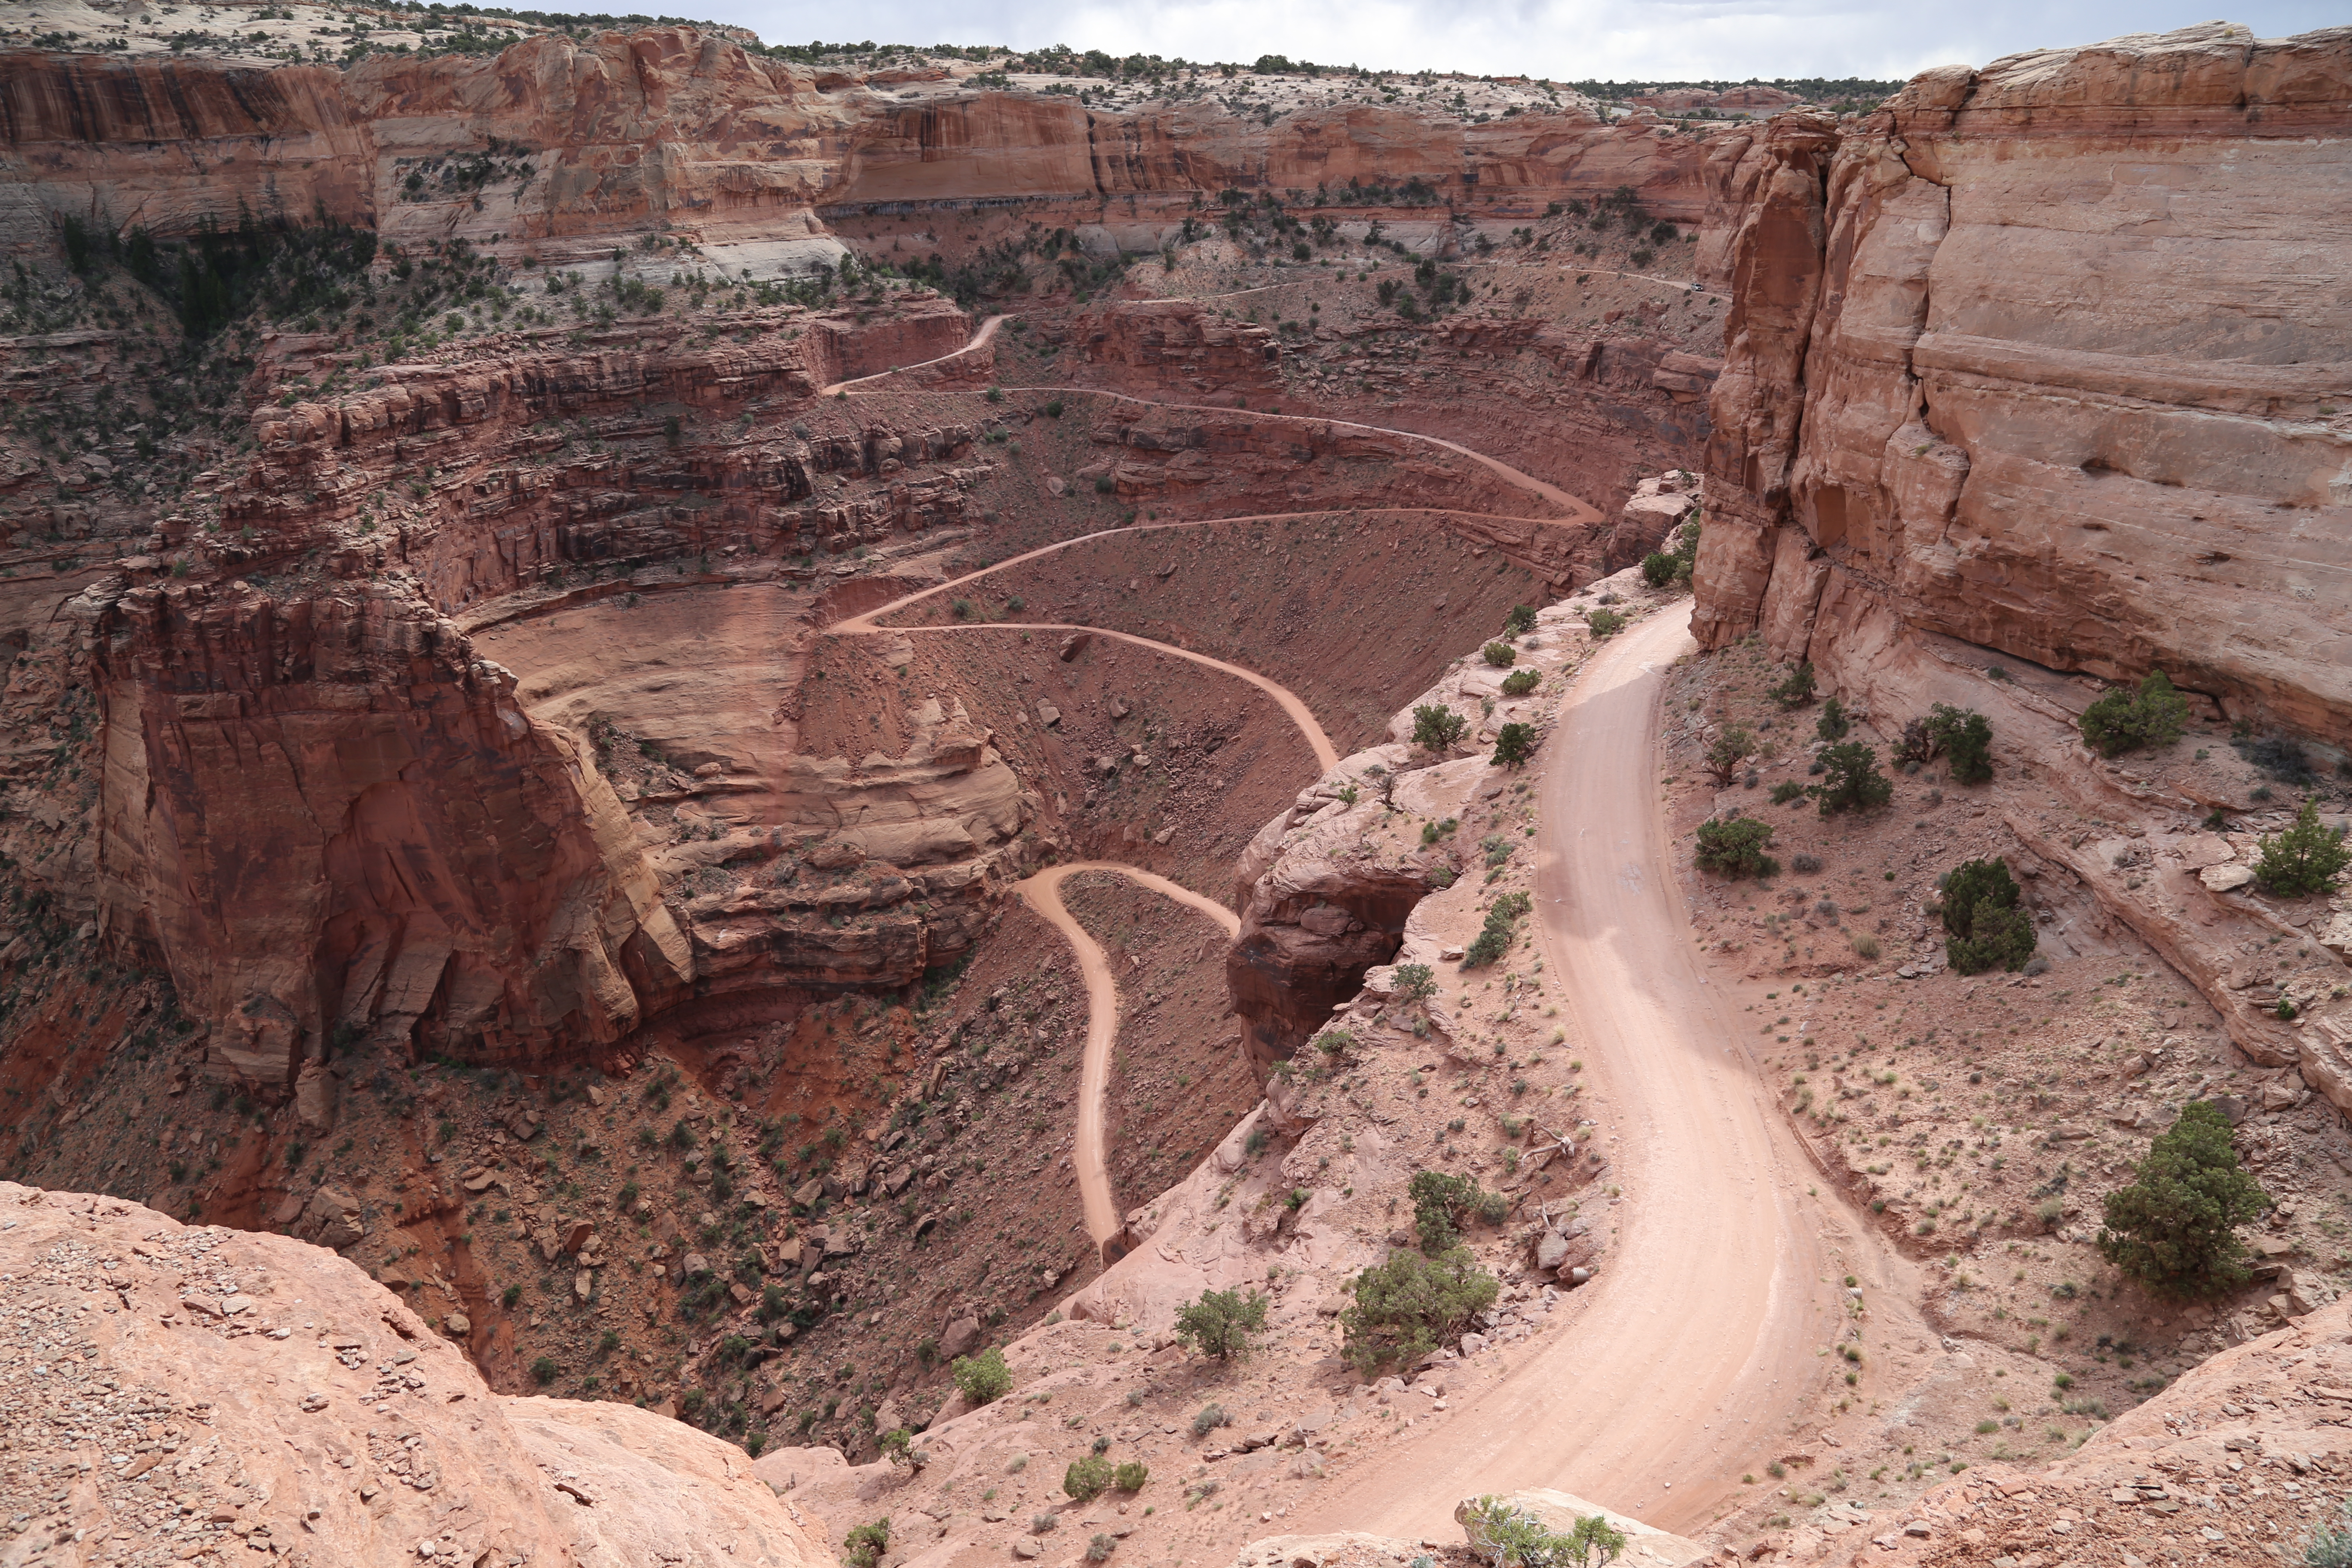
{"type": "Point", "coordinates": [2052, 357]}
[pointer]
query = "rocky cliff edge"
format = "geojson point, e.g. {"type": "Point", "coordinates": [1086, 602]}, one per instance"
{"type": "Point", "coordinates": [193, 1394]}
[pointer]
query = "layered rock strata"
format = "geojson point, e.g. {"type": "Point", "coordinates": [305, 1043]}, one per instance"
{"type": "Point", "coordinates": [556, 143]}
{"type": "Point", "coordinates": [2034, 359]}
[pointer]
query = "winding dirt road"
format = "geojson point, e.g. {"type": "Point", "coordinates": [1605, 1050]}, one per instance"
{"type": "Point", "coordinates": [1042, 893]}
{"type": "Point", "coordinates": [1325, 756]}
{"type": "Point", "coordinates": [979, 339]}
{"type": "Point", "coordinates": [1700, 1345]}
{"type": "Point", "coordinates": [1579, 510]}
{"type": "Point", "coordinates": [1685, 1359]}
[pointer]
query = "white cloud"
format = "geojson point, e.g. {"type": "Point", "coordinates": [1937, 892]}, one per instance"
{"type": "Point", "coordinates": [1565, 40]}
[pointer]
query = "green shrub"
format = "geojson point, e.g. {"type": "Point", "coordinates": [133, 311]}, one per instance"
{"type": "Point", "coordinates": [1087, 1477]}
{"type": "Point", "coordinates": [2330, 1545]}
{"type": "Point", "coordinates": [866, 1544]}
{"type": "Point", "coordinates": [1440, 1203]}
{"type": "Point", "coordinates": [2174, 1230]}
{"type": "Point", "coordinates": [1735, 847]}
{"type": "Point", "coordinates": [1604, 622]}
{"type": "Point", "coordinates": [1519, 682]}
{"type": "Point", "coordinates": [1220, 1322]}
{"type": "Point", "coordinates": [1416, 982]}
{"type": "Point", "coordinates": [1797, 689]}
{"type": "Point", "coordinates": [1520, 621]}
{"type": "Point", "coordinates": [1513, 744]}
{"type": "Point", "coordinates": [1102, 1544]}
{"type": "Point", "coordinates": [1436, 728]}
{"type": "Point", "coordinates": [1209, 1417]}
{"type": "Point", "coordinates": [1501, 655]}
{"type": "Point", "coordinates": [1495, 938]}
{"type": "Point", "coordinates": [1964, 736]}
{"type": "Point", "coordinates": [1786, 791]}
{"type": "Point", "coordinates": [2305, 858]}
{"type": "Point", "coordinates": [1728, 751]}
{"type": "Point", "coordinates": [1658, 568]}
{"type": "Point", "coordinates": [1853, 781]}
{"type": "Point", "coordinates": [2122, 721]}
{"type": "Point", "coordinates": [984, 1378]}
{"type": "Point", "coordinates": [897, 1445]}
{"type": "Point", "coordinates": [1833, 725]}
{"type": "Point", "coordinates": [1509, 1537]}
{"type": "Point", "coordinates": [1131, 1477]}
{"type": "Point", "coordinates": [1987, 928]}
{"type": "Point", "coordinates": [1405, 1306]}
{"type": "Point", "coordinates": [543, 1370]}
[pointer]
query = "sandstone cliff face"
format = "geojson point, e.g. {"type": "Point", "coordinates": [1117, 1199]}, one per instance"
{"type": "Point", "coordinates": [2029, 360]}
{"type": "Point", "coordinates": [550, 139]}
{"type": "Point", "coordinates": [327, 816]}
{"type": "Point", "coordinates": [260, 1393]}
{"type": "Point", "coordinates": [1001, 145]}
{"type": "Point", "coordinates": [332, 818]}
{"type": "Point", "coordinates": [1321, 903]}
{"type": "Point", "coordinates": [558, 144]}
{"type": "Point", "coordinates": [1160, 343]}
{"type": "Point", "coordinates": [88, 133]}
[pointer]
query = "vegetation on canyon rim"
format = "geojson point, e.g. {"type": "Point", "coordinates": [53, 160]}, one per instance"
{"type": "Point", "coordinates": [1980, 911]}
{"type": "Point", "coordinates": [2174, 1229]}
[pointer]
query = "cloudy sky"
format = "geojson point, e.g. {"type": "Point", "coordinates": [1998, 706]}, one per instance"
{"type": "Point", "coordinates": [1566, 40]}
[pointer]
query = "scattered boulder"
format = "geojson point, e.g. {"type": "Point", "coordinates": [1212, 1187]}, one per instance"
{"type": "Point", "coordinates": [333, 1218]}
{"type": "Point", "coordinates": [959, 1337]}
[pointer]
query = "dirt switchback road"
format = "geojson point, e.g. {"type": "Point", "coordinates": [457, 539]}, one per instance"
{"type": "Point", "coordinates": [1682, 1365]}
{"type": "Point", "coordinates": [1043, 892]}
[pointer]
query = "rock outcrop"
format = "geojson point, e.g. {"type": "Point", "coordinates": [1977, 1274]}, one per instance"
{"type": "Point", "coordinates": [1001, 145]}
{"type": "Point", "coordinates": [2027, 359]}
{"type": "Point", "coordinates": [1322, 902]}
{"type": "Point", "coordinates": [2241, 1456]}
{"type": "Point", "coordinates": [192, 1391]}
{"type": "Point", "coordinates": [1179, 344]}
{"type": "Point", "coordinates": [328, 816]}
{"type": "Point", "coordinates": [1328, 887]}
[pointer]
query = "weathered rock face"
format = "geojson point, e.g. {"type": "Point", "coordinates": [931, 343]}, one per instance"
{"type": "Point", "coordinates": [550, 139]}
{"type": "Point", "coordinates": [2260, 1414]}
{"type": "Point", "coordinates": [1178, 344]}
{"type": "Point", "coordinates": [327, 816]}
{"type": "Point", "coordinates": [1647, 522]}
{"type": "Point", "coordinates": [226, 1376]}
{"type": "Point", "coordinates": [558, 141]}
{"type": "Point", "coordinates": [2032, 358]}
{"type": "Point", "coordinates": [1317, 909]}
{"type": "Point", "coordinates": [999, 145]}
{"type": "Point", "coordinates": [331, 816]}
